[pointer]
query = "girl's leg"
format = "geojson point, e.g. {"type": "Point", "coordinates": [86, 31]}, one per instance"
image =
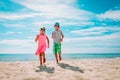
{"type": "Point", "coordinates": [56, 58]}
{"type": "Point", "coordinates": [60, 58]}
{"type": "Point", "coordinates": [44, 59]}
{"type": "Point", "coordinates": [40, 58]}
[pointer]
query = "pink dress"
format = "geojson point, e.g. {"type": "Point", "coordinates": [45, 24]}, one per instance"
{"type": "Point", "coordinates": [41, 44]}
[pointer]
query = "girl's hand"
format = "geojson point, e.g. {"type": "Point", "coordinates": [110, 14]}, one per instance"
{"type": "Point", "coordinates": [48, 46]}
{"type": "Point", "coordinates": [35, 40]}
{"type": "Point", "coordinates": [47, 41]}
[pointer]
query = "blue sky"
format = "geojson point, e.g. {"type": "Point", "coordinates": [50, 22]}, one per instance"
{"type": "Point", "coordinates": [89, 26]}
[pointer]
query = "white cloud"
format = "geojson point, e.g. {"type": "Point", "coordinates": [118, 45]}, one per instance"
{"type": "Point", "coordinates": [77, 23]}
{"type": "Point", "coordinates": [81, 23]}
{"type": "Point", "coordinates": [14, 25]}
{"type": "Point", "coordinates": [20, 46]}
{"type": "Point", "coordinates": [13, 16]}
{"type": "Point", "coordinates": [56, 9]}
{"type": "Point", "coordinates": [100, 41]}
{"type": "Point", "coordinates": [102, 44]}
{"type": "Point", "coordinates": [10, 32]}
{"type": "Point", "coordinates": [110, 15]}
{"type": "Point", "coordinates": [49, 9]}
{"type": "Point", "coordinates": [62, 23]}
{"type": "Point", "coordinates": [17, 46]}
{"type": "Point", "coordinates": [41, 23]}
{"type": "Point", "coordinates": [106, 37]}
{"type": "Point", "coordinates": [98, 30]}
{"type": "Point", "coordinates": [17, 42]}
{"type": "Point", "coordinates": [46, 12]}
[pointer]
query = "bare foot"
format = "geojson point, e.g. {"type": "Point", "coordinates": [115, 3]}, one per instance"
{"type": "Point", "coordinates": [57, 61]}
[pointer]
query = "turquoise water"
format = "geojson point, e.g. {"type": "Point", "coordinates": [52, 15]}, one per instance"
{"type": "Point", "coordinates": [32, 57]}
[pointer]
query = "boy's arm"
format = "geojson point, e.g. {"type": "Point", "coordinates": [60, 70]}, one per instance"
{"type": "Point", "coordinates": [53, 35]}
{"type": "Point", "coordinates": [62, 36]}
{"type": "Point", "coordinates": [48, 41]}
{"type": "Point", "coordinates": [36, 38]}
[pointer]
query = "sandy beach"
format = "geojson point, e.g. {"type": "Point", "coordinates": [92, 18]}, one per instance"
{"type": "Point", "coordinates": [76, 69]}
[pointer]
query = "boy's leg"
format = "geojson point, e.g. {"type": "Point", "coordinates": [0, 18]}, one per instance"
{"type": "Point", "coordinates": [44, 59]}
{"type": "Point", "coordinates": [56, 58]}
{"type": "Point", "coordinates": [60, 58]}
{"type": "Point", "coordinates": [59, 51]}
{"type": "Point", "coordinates": [55, 51]}
{"type": "Point", "coordinates": [40, 58]}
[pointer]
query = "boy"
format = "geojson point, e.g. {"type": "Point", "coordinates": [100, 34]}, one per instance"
{"type": "Point", "coordinates": [57, 37]}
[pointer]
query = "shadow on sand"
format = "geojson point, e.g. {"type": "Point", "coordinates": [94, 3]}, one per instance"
{"type": "Point", "coordinates": [67, 66]}
{"type": "Point", "coordinates": [46, 69]}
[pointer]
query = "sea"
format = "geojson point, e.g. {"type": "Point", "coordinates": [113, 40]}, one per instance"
{"type": "Point", "coordinates": [32, 57]}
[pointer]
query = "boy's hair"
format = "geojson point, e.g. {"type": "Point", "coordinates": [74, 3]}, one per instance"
{"type": "Point", "coordinates": [43, 28]}
{"type": "Point", "coordinates": [57, 24]}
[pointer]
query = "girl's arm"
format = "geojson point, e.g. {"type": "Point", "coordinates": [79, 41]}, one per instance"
{"type": "Point", "coordinates": [52, 36]}
{"type": "Point", "coordinates": [47, 41]}
{"type": "Point", "coordinates": [36, 38]}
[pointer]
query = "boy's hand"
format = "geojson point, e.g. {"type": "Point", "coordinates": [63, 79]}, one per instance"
{"type": "Point", "coordinates": [61, 40]}
{"type": "Point", "coordinates": [53, 35]}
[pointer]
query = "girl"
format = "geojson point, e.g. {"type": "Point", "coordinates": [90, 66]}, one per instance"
{"type": "Point", "coordinates": [41, 38]}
